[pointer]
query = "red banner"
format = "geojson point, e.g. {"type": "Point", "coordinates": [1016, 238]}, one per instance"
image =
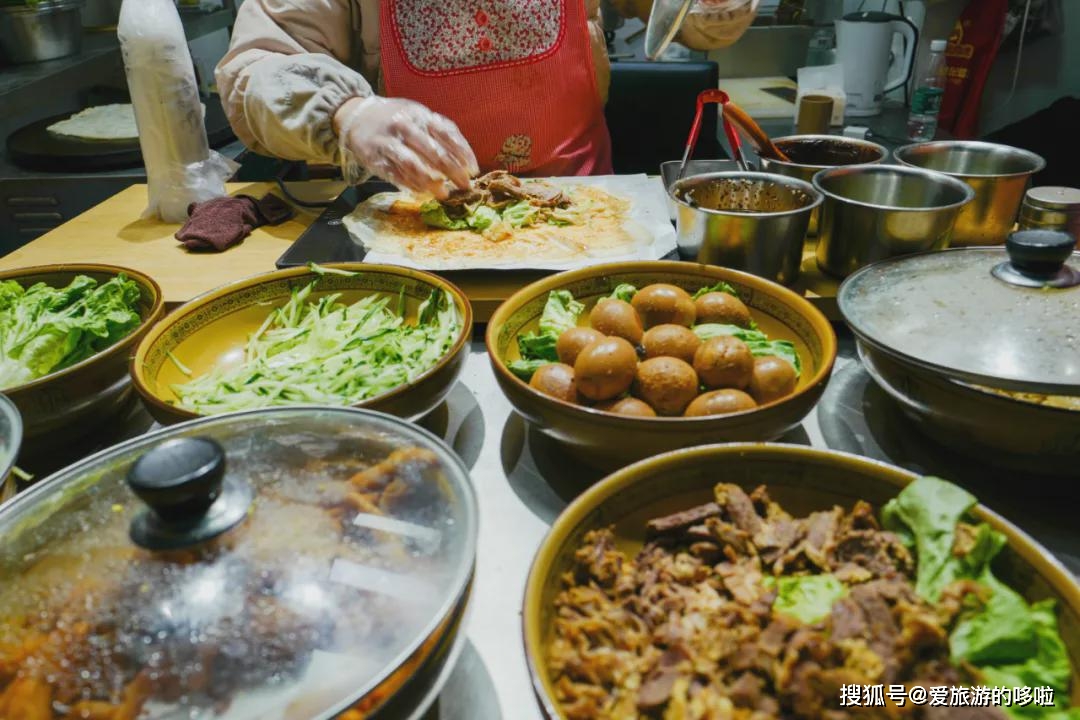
{"type": "Point", "coordinates": [972, 48]}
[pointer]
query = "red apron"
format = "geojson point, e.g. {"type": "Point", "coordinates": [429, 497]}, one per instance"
{"type": "Point", "coordinates": [516, 76]}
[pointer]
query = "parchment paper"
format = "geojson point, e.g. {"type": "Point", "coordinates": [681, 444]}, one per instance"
{"type": "Point", "coordinates": [648, 220]}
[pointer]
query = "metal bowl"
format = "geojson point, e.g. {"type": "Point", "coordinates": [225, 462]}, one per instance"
{"type": "Point", "coordinates": [801, 479]}
{"type": "Point", "coordinates": [669, 173]}
{"type": "Point", "coordinates": [745, 221]}
{"type": "Point", "coordinates": [10, 442]}
{"type": "Point", "coordinates": [810, 154]}
{"type": "Point", "coordinates": [873, 212]}
{"type": "Point", "coordinates": [48, 30]}
{"type": "Point", "coordinates": [213, 329]}
{"type": "Point", "coordinates": [999, 175]}
{"type": "Point", "coordinates": [608, 441]}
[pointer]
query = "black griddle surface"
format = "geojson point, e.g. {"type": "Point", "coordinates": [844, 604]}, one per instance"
{"type": "Point", "coordinates": [35, 148]}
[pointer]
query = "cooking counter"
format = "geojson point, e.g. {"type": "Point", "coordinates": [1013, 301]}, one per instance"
{"type": "Point", "coordinates": [523, 480]}
{"type": "Point", "coordinates": [113, 232]}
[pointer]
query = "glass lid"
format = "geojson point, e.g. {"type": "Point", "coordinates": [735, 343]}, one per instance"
{"type": "Point", "coordinates": [10, 440]}
{"type": "Point", "coordinates": [269, 564]}
{"type": "Point", "coordinates": [665, 19]}
{"type": "Point", "coordinates": [1006, 318]}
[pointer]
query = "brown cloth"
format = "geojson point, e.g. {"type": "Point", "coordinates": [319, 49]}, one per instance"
{"type": "Point", "coordinates": [220, 223]}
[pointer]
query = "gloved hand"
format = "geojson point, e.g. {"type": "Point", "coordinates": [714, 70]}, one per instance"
{"type": "Point", "coordinates": [404, 143]}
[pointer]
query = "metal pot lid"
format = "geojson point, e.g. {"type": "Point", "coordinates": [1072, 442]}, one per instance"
{"type": "Point", "coordinates": [665, 19]}
{"type": "Point", "coordinates": [1050, 197]}
{"type": "Point", "coordinates": [11, 431]}
{"type": "Point", "coordinates": [1005, 318]}
{"type": "Point", "coordinates": [269, 564]}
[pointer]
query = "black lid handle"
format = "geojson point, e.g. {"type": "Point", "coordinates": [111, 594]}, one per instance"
{"type": "Point", "coordinates": [1039, 253]}
{"type": "Point", "coordinates": [179, 479]}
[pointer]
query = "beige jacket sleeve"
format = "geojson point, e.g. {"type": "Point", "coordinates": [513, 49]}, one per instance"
{"type": "Point", "coordinates": [285, 76]}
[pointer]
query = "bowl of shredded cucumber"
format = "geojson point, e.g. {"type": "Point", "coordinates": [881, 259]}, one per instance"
{"type": "Point", "coordinates": [66, 336]}
{"type": "Point", "coordinates": [381, 337]}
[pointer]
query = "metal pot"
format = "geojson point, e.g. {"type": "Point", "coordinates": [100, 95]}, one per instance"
{"type": "Point", "coordinates": [873, 212]}
{"type": "Point", "coordinates": [46, 31]}
{"type": "Point", "coordinates": [759, 224]}
{"type": "Point", "coordinates": [669, 174]}
{"type": "Point", "coordinates": [810, 154]}
{"type": "Point", "coordinates": [979, 346]}
{"type": "Point", "coordinates": [999, 175]}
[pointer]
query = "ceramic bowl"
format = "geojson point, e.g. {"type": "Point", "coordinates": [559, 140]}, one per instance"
{"type": "Point", "coordinates": [214, 327]}
{"type": "Point", "coordinates": [800, 479]}
{"type": "Point", "coordinates": [605, 440]}
{"type": "Point", "coordinates": [76, 402]}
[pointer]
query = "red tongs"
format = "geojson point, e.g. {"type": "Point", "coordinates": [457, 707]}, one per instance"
{"type": "Point", "coordinates": [730, 116]}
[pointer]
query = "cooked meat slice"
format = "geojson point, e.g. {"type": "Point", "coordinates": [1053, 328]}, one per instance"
{"type": "Point", "coordinates": [598, 560]}
{"type": "Point", "coordinates": [655, 691]}
{"type": "Point", "coordinates": [742, 580]}
{"type": "Point", "coordinates": [729, 535]}
{"type": "Point", "coordinates": [745, 692]}
{"type": "Point", "coordinates": [542, 194]}
{"type": "Point", "coordinates": [776, 537]}
{"type": "Point", "coordinates": [469, 196]}
{"type": "Point", "coordinates": [880, 553]}
{"type": "Point", "coordinates": [677, 522]}
{"type": "Point", "coordinates": [862, 517]}
{"type": "Point", "coordinates": [819, 539]}
{"type": "Point", "coordinates": [738, 507]}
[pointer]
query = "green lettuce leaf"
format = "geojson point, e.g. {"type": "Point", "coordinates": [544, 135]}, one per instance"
{"type": "Point", "coordinates": [624, 292]}
{"type": "Point", "coordinates": [1011, 643]}
{"type": "Point", "coordinates": [434, 215]}
{"type": "Point", "coordinates": [538, 346]}
{"type": "Point", "coordinates": [720, 286]}
{"type": "Point", "coordinates": [482, 217]}
{"type": "Point", "coordinates": [561, 312]}
{"type": "Point", "coordinates": [759, 343]}
{"type": "Point", "coordinates": [44, 329]}
{"type": "Point", "coordinates": [1048, 666]}
{"type": "Point", "coordinates": [519, 214]}
{"type": "Point", "coordinates": [925, 515]}
{"type": "Point", "coordinates": [524, 369]}
{"type": "Point", "coordinates": [807, 598]}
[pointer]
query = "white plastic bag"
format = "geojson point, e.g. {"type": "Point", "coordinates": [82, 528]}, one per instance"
{"type": "Point", "coordinates": [180, 166]}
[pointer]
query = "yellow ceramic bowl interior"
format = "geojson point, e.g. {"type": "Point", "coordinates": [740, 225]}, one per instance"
{"type": "Point", "coordinates": [213, 329]}
{"type": "Point", "coordinates": [801, 480]}
{"type": "Point", "coordinates": [605, 439]}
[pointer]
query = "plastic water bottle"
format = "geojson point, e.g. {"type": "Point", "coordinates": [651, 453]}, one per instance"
{"type": "Point", "coordinates": [926, 101]}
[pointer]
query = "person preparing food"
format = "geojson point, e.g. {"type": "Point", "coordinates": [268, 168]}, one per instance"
{"type": "Point", "coordinates": [517, 85]}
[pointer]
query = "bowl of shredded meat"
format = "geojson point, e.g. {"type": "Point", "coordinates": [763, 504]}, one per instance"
{"type": "Point", "coordinates": [755, 581]}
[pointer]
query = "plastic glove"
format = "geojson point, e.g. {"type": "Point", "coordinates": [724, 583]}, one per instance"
{"type": "Point", "coordinates": [404, 143]}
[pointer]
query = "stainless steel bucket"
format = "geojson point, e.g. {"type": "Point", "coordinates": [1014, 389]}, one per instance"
{"type": "Point", "coordinates": [46, 31]}
{"type": "Point", "coordinates": [810, 154]}
{"type": "Point", "coordinates": [999, 175]}
{"type": "Point", "coordinates": [872, 212]}
{"type": "Point", "coordinates": [759, 224]}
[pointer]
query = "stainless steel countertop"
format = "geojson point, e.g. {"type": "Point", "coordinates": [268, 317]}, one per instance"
{"type": "Point", "coordinates": [523, 481]}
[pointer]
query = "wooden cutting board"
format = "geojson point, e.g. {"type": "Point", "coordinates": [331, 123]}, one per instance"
{"type": "Point", "coordinates": [750, 95]}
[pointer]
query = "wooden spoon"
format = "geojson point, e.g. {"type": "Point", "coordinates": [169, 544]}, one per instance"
{"type": "Point", "coordinates": [757, 137]}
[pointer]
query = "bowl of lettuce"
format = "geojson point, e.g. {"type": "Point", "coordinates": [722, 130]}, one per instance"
{"type": "Point", "coordinates": [363, 335]}
{"type": "Point", "coordinates": [985, 607]}
{"type": "Point", "coordinates": [66, 335]}
{"type": "Point", "coordinates": [521, 337]}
